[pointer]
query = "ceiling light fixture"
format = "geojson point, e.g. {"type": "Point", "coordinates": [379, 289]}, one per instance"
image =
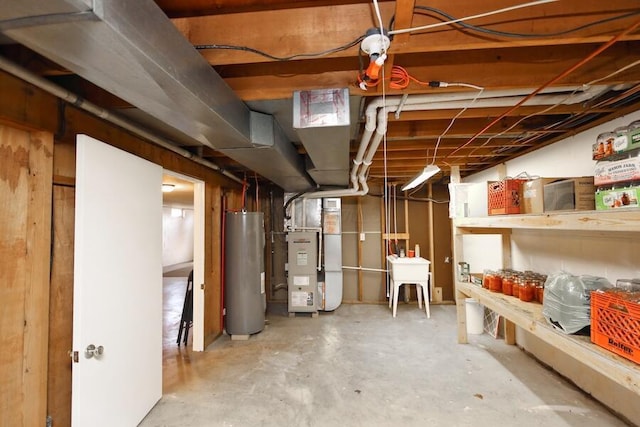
{"type": "Point", "coordinates": [422, 176]}
{"type": "Point", "coordinates": [375, 44]}
{"type": "Point", "coordinates": [168, 188]}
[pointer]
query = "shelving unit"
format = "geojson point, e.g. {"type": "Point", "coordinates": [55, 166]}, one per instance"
{"type": "Point", "coordinates": [529, 315]}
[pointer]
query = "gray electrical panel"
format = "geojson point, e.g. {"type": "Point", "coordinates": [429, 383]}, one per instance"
{"type": "Point", "coordinates": [303, 274]}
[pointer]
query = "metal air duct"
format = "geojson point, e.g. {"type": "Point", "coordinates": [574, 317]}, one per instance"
{"type": "Point", "coordinates": [132, 50]}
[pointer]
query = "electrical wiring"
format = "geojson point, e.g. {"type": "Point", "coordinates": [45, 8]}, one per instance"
{"type": "Point", "coordinates": [523, 138]}
{"type": "Point", "coordinates": [466, 107]}
{"type": "Point", "coordinates": [560, 76]}
{"type": "Point", "coordinates": [518, 35]}
{"type": "Point", "coordinates": [279, 58]}
{"type": "Point", "coordinates": [413, 199]}
{"type": "Point", "coordinates": [400, 79]}
{"type": "Point", "coordinates": [377, 9]}
{"type": "Point", "coordinates": [468, 18]}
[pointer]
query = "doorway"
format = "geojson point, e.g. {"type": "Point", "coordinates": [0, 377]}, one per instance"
{"type": "Point", "coordinates": [183, 252]}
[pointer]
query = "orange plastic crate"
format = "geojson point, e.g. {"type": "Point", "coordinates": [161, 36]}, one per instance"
{"type": "Point", "coordinates": [615, 324]}
{"type": "Point", "coordinates": [504, 197]}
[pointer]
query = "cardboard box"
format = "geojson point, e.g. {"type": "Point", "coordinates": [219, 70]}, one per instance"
{"type": "Point", "coordinates": [633, 139]}
{"type": "Point", "coordinates": [570, 194]}
{"type": "Point", "coordinates": [533, 194]}
{"type": "Point", "coordinates": [621, 168]}
{"type": "Point", "coordinates": [617, 198]}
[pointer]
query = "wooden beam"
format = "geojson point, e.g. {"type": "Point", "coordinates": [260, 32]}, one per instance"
{"type": "Point", "coordinates": [498, 69]}
{"type": "Point", "coordinates": [317, 29]}
{"type": "Point", "coordinates": [466, 128]}
{"type": "Point", "coordinates": [190, 8]}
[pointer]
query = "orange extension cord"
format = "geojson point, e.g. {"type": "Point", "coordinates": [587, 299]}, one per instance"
{"type": "Point", "coordinates": [399, 79]}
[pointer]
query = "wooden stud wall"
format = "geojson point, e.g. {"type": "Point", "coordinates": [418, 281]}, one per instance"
{"type": "Point", "coordinates": [61, 306]}
{"type": "Point", "coordinates": [26, 160]}
{"type": "Point", "coordinates": [32, 306]}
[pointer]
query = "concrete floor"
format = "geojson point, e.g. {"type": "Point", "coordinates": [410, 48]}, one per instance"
{"type": "Point", "coordinates": [358, 366]}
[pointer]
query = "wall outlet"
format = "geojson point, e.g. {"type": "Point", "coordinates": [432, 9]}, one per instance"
{"type": "Point", "coordinates": [362, 237]}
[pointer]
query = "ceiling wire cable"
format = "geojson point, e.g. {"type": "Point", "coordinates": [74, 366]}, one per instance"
{"type": "Point", "coordinates": [280, 58]}
{"type": "Point", "coordinates": [560, 76]}
{"type": "Point", "coordinates": [453, 120]}
{"type": "Point", "coordinates": [509, 34]}
{"type": "Point", "coordinates": [376, 6]}
{"type": "Point", "coordinates": [523, 138]}
{"type": "Point", "coordinates": [400, 79]}
{"type": "Point", "coordinates": [255, 176]}
{"type": "Point", "coordinates": [468, 18]}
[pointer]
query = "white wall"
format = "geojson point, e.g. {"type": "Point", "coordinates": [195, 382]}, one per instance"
{"type": "Point", "coordinates": [569, 157]}
{"type": "Point", "coordinates": [611, 255]}
{"type": "Point", "coordinates": [177, 237]}
{"type": "Point", "coordinates": [597, 253]}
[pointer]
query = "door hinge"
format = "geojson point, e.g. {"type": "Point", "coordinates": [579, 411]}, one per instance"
{"type": "Point", "coordinates": [49, 422]}
{"type": "Point", "coordinates": [202, 286]}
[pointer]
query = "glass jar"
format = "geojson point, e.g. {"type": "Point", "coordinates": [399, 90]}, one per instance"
{"type": "Point", "coordinates": [528, 290]}
{"type": "Point", "coordinates": [486, 278]}
{"type": "Point", "coordinates": [540, 292]}
{"type": "Point", "coordinates": [495, 283]}
{"type": "Point", "coordinates": [515, 288]}
{"type": "Point", "coordinates": [507, 284]}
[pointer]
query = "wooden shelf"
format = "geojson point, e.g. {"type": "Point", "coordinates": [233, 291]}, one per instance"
{"type": "Point", "coordinates": [615, 220]}
{"type": "Point", "coordinates": [529, 317]}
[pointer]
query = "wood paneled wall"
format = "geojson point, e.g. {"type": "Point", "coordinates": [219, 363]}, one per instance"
{"type": "Point", "coordinates": [36, 317]}
{"type": "Point", "coordinates": [26, 160]}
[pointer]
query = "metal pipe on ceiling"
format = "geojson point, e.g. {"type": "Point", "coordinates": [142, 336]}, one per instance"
{"type": "Point", "coordinates": [77, 101]}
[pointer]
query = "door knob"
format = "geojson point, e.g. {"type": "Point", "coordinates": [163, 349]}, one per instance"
{"type": "Point", "coordinates": [93, 351]}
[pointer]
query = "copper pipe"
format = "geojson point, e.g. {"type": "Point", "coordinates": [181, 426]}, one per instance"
{"type": "Point", "coordinates": [549, 83]}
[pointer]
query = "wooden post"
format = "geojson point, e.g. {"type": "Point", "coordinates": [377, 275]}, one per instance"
{"type": "Point", "coordinates": [26, 186]}
{"type": "Point", "coordinates": [432, 240]}
{"type": "Point", "coordinates": [383, 242]}
{"type": "Point", "coordinates": [360, 230]}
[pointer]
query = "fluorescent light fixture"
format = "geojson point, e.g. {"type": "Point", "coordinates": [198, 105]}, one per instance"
{"type": "Point", "coordinates": [422, 176]}
{"type": "Point", "coordinates": [168, 188]}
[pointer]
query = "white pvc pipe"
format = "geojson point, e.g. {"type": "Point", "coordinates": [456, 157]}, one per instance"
{"type": "Point", "coordinates": [381, 270]}
{"type": "Point", "coordinates": [376, 120]}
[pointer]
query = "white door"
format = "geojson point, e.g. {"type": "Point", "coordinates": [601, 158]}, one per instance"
{"type": "Point", "coordinates": [117, 286]}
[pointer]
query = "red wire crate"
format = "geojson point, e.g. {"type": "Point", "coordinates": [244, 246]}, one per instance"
{"type": "Point", "coordinates": [504, 197]}
{"type": "Point", "coordinates": [615, 324]}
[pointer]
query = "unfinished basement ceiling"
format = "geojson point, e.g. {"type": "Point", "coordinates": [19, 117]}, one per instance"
{"type": "Point", "coordinates": [522, 50]}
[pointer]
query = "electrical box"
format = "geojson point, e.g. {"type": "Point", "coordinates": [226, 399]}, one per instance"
{"type": "Point", "coordinates": [303, 274]}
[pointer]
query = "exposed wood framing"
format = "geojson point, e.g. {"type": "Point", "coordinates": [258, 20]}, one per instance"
{"type": "Point", "coordinates": [25, 180]}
